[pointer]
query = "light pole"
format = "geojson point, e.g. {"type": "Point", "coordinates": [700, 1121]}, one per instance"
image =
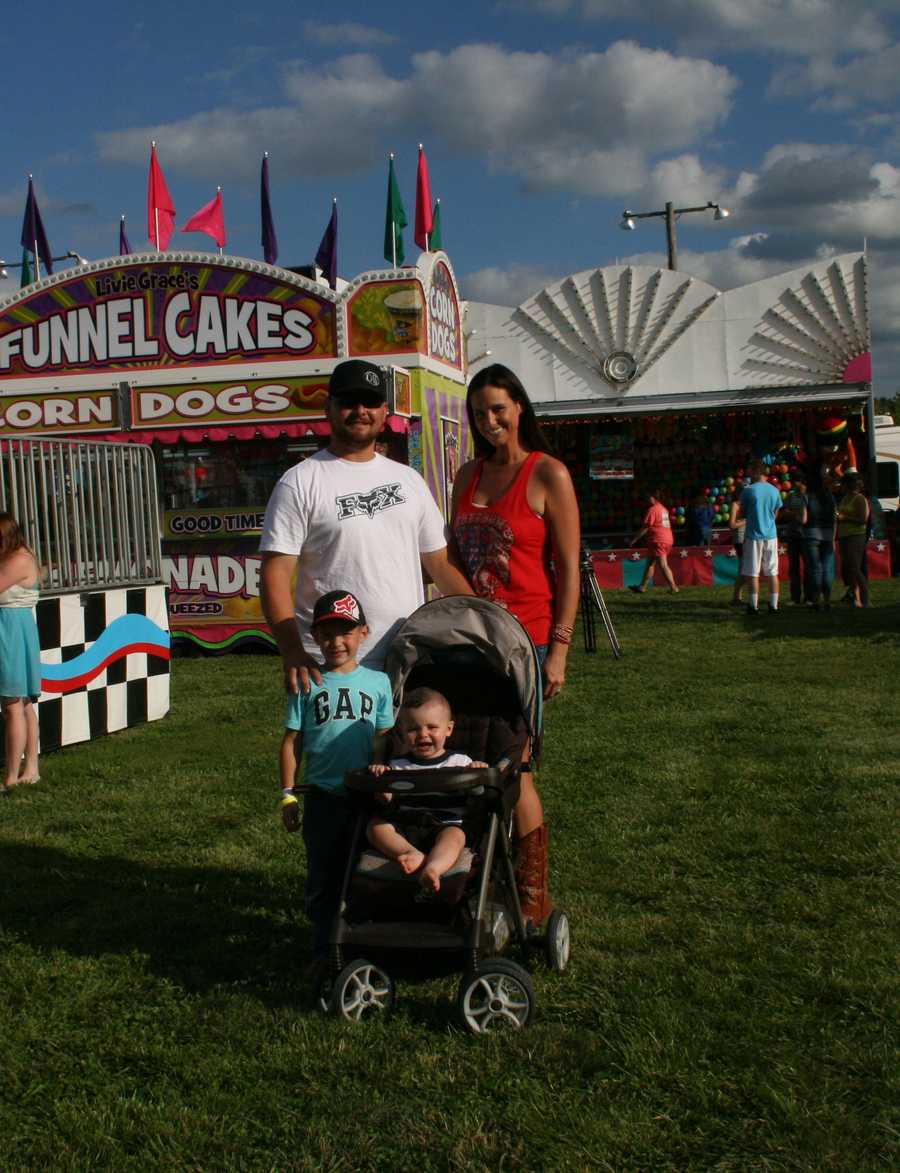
{"type": "Point", "coordinates": [668, 214]}
{"type": "Point", "coordinates": [69, 256]}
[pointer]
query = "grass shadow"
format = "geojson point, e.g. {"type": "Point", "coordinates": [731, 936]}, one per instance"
{"type": "Point", "coordinates": [199, 927]}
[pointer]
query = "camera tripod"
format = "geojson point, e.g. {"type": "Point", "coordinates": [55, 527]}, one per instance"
{"type": "Point", "coordinates": [591, 598]}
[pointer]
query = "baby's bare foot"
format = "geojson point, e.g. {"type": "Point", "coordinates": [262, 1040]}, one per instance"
{"type": "Point", "coordinates": [410, 861]}
{"type": "Point", "coordinates": [430, 878]}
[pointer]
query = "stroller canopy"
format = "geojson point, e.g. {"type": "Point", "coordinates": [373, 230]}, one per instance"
{"type": "Point", "coordinates": [460, 622]}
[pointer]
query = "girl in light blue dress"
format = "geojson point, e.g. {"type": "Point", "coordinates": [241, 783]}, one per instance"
{"type": "Point", "coordinates": [20, 655]}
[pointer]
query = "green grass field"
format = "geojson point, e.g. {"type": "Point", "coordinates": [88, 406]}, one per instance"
{"type": "Point", "coordinates": [723, 806]}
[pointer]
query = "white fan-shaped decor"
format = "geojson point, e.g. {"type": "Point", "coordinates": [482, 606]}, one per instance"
{"type": "Point", "coordinates": [816, 332]}
{"type": "Point", "coordinates": [606, 322]}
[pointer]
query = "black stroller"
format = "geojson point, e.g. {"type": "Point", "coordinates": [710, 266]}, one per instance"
{"type": "Point", "coordinates": [482, 659]}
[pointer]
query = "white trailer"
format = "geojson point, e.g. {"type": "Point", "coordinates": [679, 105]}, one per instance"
{"type": "Point", "coordinates": [887, 463]}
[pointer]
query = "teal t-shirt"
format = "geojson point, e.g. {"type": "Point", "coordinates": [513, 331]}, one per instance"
{"type": "Point", "coordinates": [760, 503]}
{"type": "Point", "coordinates": [338, 719]}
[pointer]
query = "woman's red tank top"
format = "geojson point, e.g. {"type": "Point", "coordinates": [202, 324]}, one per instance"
{"type": "Point", "coordinates": [507, 551]}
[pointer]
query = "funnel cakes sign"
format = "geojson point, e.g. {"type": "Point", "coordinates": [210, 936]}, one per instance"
{"type": "Point", "coordinates": [163, 313]}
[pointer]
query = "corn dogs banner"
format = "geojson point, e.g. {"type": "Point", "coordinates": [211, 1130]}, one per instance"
{"type": "Point", "coordinates": [49, 412]}
{"type": "Point", "coordinates": [251, 401]}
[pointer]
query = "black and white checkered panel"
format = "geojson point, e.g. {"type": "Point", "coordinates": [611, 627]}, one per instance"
{"type": "Point", "coordinates": [129, 691]}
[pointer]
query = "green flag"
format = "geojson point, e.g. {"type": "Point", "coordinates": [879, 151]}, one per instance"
{"type": "Point", "coordinates": [434, 240]}
{"type": "Point", "coordinates": [394, 221]}
{"type": "Point", "coordinates": [26, 270]}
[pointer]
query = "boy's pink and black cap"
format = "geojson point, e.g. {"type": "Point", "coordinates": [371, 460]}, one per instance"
{"type": "Point", "coordinates": [339, 605]}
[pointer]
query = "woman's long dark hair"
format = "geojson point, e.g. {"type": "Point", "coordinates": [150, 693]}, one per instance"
{"type": "Point", "coordinates": [11, 536]}
{"type": "Point", "coordinates": [530, 434]}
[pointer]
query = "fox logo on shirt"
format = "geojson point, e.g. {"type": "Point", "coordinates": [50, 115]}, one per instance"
{"type": "Point", "coordinates": [368, 504]}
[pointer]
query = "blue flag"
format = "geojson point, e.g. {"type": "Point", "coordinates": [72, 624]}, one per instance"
{"type": "Point", "coordinates": [33, 235]}
{"type": "Point", "coordinates": [326, 257]}
{"type": "Point", "coordinates": [269, 239]}
{"type": "Point", "coordinates": [124, 243]}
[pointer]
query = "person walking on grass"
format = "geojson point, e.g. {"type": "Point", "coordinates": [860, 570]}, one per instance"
{"type": "Point", "coordinates": [660, 539]}
{"type": "Point", "coordinates": [760, 504]}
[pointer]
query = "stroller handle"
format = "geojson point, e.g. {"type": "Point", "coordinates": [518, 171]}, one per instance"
{"type": "Point", "coordinates": [409, 783]}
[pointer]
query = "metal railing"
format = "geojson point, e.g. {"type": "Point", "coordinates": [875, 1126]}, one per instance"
{"type": "Point", "coordinates": [89, 510]}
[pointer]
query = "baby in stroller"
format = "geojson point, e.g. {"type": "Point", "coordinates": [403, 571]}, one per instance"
{"type": "Point", "coordinates": [424, 723]}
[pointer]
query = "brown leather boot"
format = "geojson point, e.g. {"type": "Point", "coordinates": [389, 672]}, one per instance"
{"type": "Point", "coordinates": [532, 876]}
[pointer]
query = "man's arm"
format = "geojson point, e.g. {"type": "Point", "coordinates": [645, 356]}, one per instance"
{"type": "Point", "coordinates": [276, 596]}
{"type": "Point", "coordinates": [448, 579]}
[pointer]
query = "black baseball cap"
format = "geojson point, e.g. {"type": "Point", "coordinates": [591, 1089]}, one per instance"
{"type": "Point", "coordinates": [355, 377]}
{"type": "Point", "coordinates": [339, 605]}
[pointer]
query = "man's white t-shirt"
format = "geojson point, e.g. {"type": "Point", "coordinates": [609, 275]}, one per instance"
{"type": "Point", "coordinates": [358, 526]}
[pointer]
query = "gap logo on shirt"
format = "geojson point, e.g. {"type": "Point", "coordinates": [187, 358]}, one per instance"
{"type": "Point", "coordinates": [343, 709]}
{"type": "Point", "coordinates": [368, 504]}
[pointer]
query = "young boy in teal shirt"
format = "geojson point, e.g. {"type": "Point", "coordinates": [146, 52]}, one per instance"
{"type": "Point", "coordinates": [334, 726]}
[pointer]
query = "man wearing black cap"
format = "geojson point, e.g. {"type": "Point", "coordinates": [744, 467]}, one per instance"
{"type": "Point", "coordinates": [352, 517]}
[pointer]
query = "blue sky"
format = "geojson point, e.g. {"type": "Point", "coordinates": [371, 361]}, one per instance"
{"type": "Point", "coordinates": [542, 120]}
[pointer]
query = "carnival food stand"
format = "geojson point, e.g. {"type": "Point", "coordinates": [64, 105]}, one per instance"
{"type": "Point", "coordinates": [221, 364]}
{"type": "Point", "coordinates": [648, 379]}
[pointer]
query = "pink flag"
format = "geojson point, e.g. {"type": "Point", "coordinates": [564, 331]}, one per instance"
{"type": "Point", "coordinates": [160, 209]}
{"type": "Point", "coordinates": [424, 221]}
{"type": "Point", "coordinates": [210, 219]}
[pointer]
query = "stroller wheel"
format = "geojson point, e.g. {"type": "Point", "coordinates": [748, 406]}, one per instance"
{"type": "Point", "coordinates": [360, 990]}
{"type": "Point", "coordinates": [557, 940]}
{"type": "Point", "coordinates": [496, 995]}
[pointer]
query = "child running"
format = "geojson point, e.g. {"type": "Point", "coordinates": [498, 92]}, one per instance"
{"type": "Point", "coordinates": [334, 725]}
{"type": "Point", "coordinates": [425, 722]}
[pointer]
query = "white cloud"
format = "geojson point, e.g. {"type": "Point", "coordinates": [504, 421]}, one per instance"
{"type": "Point", "coordinates": [585, 122]}
{"type": "Point", "coordinates": [510, 286]}
{"type": "Point", "coordinates": [360, 36]}
{"type": "Point", "coordinates": [687, 175]}
{"type": "Point", "coordinates": [805, 192]}
{"type": "Point", "coordinates": [802, 27]}
{"type": "Point", "coordinates": [866, 78]}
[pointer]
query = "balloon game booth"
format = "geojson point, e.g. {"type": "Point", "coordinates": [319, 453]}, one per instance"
{"type": "Point", "coordinates": [220, 366]}
{"type": "Point", "coordinates": [648, 379]}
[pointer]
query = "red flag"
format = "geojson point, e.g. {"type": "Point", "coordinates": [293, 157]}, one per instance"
{"type": "Point", "coordinates": [160, 209]}
{"type": "Point", "coordinates": [210, 219]}
{"type": "Point", "coordinates": [424, 220]}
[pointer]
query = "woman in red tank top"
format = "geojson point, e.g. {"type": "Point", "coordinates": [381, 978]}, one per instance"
{"type": "Point", "coordinates": [516, 527]}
